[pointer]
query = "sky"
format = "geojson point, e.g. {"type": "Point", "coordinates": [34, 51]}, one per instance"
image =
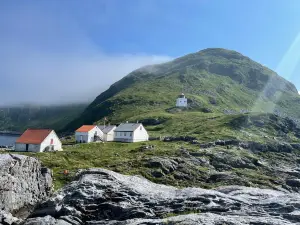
{"type": "Point", "coordinates": [70, 51]}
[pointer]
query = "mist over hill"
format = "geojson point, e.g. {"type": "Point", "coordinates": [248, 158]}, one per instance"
{"type": "Point", "coordinates": [20, 117]}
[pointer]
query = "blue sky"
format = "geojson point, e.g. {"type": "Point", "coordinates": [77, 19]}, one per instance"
{"type": "Point", "coordinates": [90, 44]}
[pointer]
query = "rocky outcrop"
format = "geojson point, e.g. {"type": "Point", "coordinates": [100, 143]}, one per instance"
{"type": "Point", "coordinates": [99, 196]}
{"type": "Point", "coordinates": [152, 121]}
{"type": "Point", "coordinates": [181, 168]}
{"type": "Point", "coordinates": [180, 138]}
{"type": "Point", "coordinates": [253, 146]}
{"type": "Point", "coordinates": [23, 183]}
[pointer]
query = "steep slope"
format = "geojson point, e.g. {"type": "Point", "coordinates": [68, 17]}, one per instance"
{"type": "Point", "coordinates": [218, 81]}
{"type": "Point", "coordinates": [19, 118]}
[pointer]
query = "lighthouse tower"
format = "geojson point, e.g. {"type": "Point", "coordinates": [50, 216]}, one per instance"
{"type": "Point", "coordinates": [181, 101]}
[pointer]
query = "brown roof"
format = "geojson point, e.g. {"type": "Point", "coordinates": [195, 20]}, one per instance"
{"type": "Point", "coordinates": [33, 136]}
{"type": "Point", "coordinates": [85, 128]}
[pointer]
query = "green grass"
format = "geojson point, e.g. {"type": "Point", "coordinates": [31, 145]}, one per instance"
{"type": "Point", "coordinates": [127, 158]}
{"type": "Point", "coordinates": [121, 157]}
{"type": "Point", "coordinates": [231, 80]}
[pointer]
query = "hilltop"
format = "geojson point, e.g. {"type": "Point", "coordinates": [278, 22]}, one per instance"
{"type": "Point", "coordinates": [218, 83]}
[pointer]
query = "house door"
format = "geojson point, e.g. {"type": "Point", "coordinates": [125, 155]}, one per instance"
{"type": "Point", "coordinates": [27, 147]}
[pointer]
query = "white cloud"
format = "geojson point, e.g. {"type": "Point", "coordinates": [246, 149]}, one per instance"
{"type": "Point", "coordinates": [53, 78]}
{"type": "Point", "coordinates": [47, 57]}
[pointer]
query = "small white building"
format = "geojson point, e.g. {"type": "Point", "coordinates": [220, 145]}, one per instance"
{"type": "Point", "coordinates": [38, 140]}
{"type": "Point", "coordinates": [108, 132]}
{"type": "Point", "coordinates": [181, 101]}
{"type": "Point", "coordinates": [88, 133]}
{"type": "Point", "coordinates": [131, 132]}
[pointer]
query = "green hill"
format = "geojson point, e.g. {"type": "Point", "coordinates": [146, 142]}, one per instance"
{"type": "Point", "coordinates": [19, 118]}
{"type": "Point", "coordinates": [219, 85]}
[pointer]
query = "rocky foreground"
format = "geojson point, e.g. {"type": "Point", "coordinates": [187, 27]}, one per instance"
{"type": "Point", "coordinates": [23, 184]}
{"type": "Point", "coordinates": [99, 196]}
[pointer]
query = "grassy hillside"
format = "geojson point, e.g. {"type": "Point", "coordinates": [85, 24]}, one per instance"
{"type": "Point", "coordinates": [229, 96]}
{"type": "Point", "coordinates": [217, 83]}
{"type": "Point", "coordinates": [177, 163]}
{"type": "Point", "coordinates": [19, 118]}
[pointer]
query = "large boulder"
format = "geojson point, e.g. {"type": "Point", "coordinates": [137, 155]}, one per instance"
{"type": "Point", "coordinates": [99, 196]}
{"type": "Point", "coordinates": [23, 184]}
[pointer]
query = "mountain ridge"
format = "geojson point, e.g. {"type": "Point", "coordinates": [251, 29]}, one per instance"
{"type": "Point", "coordinates": [213, 79]}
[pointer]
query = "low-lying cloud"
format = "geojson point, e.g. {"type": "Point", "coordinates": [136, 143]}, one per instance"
{"type": "Point", "coordinates": [53, 79]}
{"type": "Point", "coordinates": [48, 58]}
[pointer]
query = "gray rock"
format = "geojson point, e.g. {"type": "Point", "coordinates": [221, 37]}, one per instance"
{"type": "Point", "coordinates": [225, 160]}
{"type": "Point", "coordinates": [47, 220]}
{"type": "Point", "coordinates": [203, 219]}
{"type": "Point", "coordinates": [99, 196]}
{"type": "Point", "coordinates": [165, 164]}
{"type": "Point", "coordinates": [180, 138]}
{"type": "Point", "coordinates": [207, 145]}
{"type": "Point", "coordinates": [254, 146]}
{"type": "Point", "coordinates": [23, 183]}
{"type": "Point", "coordinates": [293, 182]}
{"type": "Point", "coordinates": [296, 146]}
{"type": "Point", "coordinates": [147, 148]}
{"type": "Point", "coordinates": [8, 219]}
{"type": "Point", "coordinates": [157, 173]}
{"type": "Point", "coordinates": [222, 176]}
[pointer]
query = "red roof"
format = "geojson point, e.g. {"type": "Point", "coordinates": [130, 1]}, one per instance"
{"type": "Point", "coordinates": [33, 136]}
{"type": "Point", "coordinates": [85, 128]}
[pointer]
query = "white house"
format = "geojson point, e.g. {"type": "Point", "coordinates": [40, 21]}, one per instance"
{"type": "Point", "coordinates": [108, 132]}
{"type": "Point", "coordinates": [88, 133]}
{"type": "Point", "coordinates": [131, 132]}
{"type": "Point", "coordinates": [38, 140]}
{"type": "Point", "coordinates": [181, 101]}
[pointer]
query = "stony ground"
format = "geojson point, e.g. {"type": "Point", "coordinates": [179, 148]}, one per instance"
{"type": "Point", "coordinates": [184, 163]}
{"type": "Point", "coordinates": [99, 196]}
{"type": "Point", "coordinates": [23, 184]}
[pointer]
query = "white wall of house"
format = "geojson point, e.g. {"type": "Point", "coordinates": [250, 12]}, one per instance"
{"type": "Point", "coordinates": [123, 136]}
{"type": "Point", "coordinates": [110, 136]}
{"type": "Point", "coordinates": [88, 137]}
{"type": "Point", "coordinates": [139, 134]}
{"type": "Point", "coordinates": [181, 102]}
{"type": "Point", "coordinates": [56, 144]}
{"type": "Point", "coordinates": [20, 147]}
{"type": "Point", "coordinates": [82, 137]}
